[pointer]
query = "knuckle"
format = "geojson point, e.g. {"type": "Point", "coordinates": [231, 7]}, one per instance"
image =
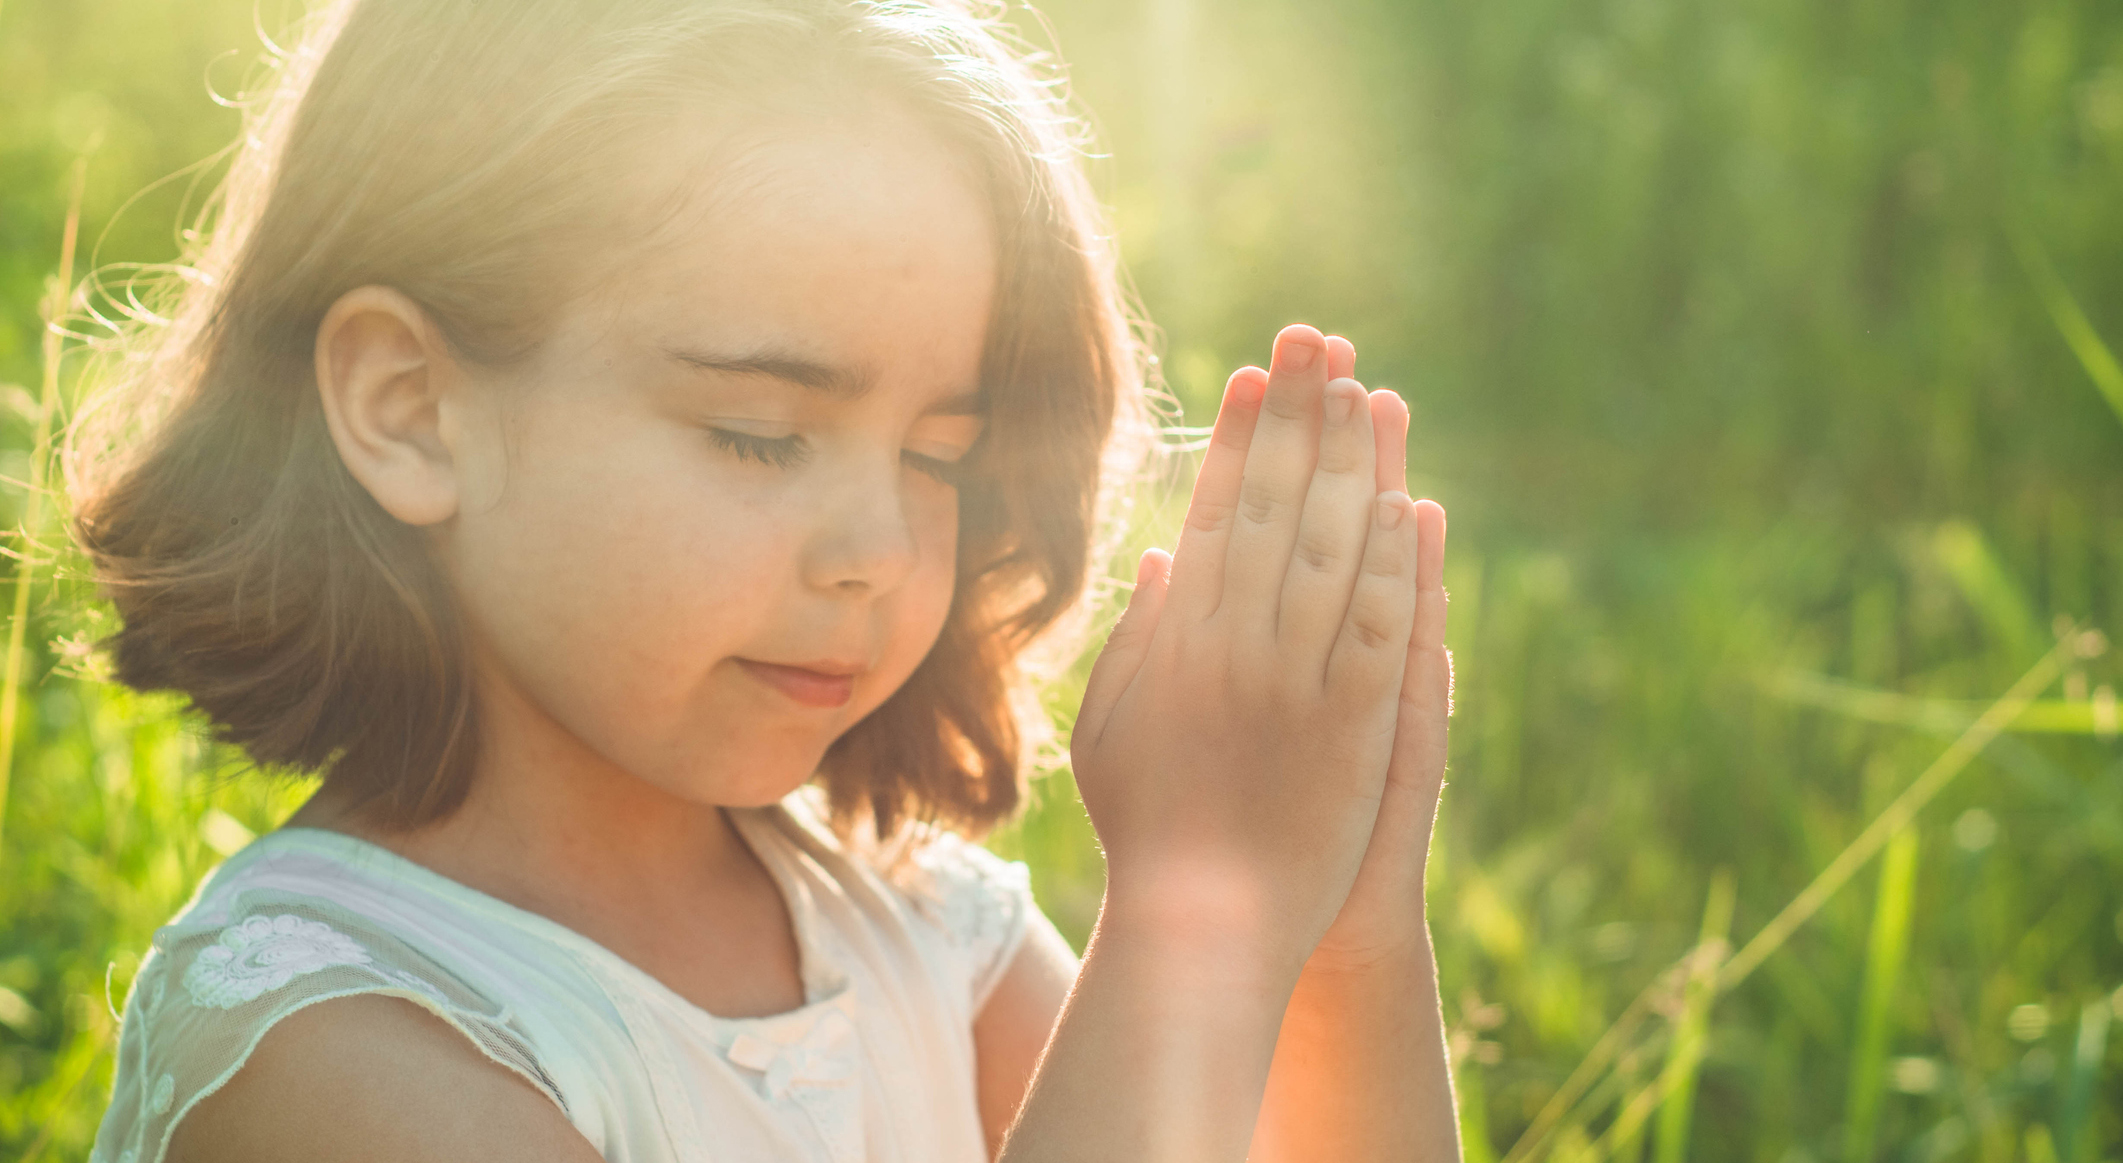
{"type": "Point", "coordinates": [1286, 405]}
{"type": "Point", "coordinates": [1343, 458]}
{"type": "Point", "coordinates": [1129, 632]}
{"type": "Point", "coordinates": [1316, 550]}
{"type": "Point", "coordinates": [1261, 503]}
{"type": "Point", "coordinates": [1210, 517]}
{"type": "Point", "coordinates": [1383, 563]}
{"type": "Point", "coordinates": [1370, 629]}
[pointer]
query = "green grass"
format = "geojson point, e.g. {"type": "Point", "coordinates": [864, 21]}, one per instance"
{"type": "Point", "coordinates": [1763, 354]}
{"type": "Point", "coordinates": [1884, 954]}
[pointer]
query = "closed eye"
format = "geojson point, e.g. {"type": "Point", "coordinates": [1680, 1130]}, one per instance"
{"type": "Point", "coordinates": [779, 451]}
{"type": "Point", "coordinates": [942, 445]}
{"type": "Point", "coordinates": [950, 472]}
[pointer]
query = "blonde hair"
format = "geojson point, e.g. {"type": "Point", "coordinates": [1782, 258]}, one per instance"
{"type": "Point", "coordinates": [455, 150]}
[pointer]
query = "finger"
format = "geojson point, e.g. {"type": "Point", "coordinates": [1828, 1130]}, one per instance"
{"type": "Point", "coordinates": [1341, 358]}
{"type": "Point", "coordinates": [1279, 466]}
{"type": "Point", "coordinates": [1389, 421]}
{"type": "Point", "coordinates": [1129, 643]}
{"type": "Point", "coordinates": [1332, 531]}
{"type": "Point", "coordinates": [1371, 651]}
{"type": "Point", "coordinates": [1419, 748]}
{"type": "Point", "coordinates": [1198, 562]}
{"type": "Point", "coordinates": [1429, 576]}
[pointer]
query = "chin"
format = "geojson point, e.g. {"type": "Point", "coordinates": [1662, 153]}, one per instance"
{"type": "Point", "coordinates": [752, 781]}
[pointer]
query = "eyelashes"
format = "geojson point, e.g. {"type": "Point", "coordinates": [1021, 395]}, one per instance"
{"type": "Point", "coordinates": [778, 451]}
{"type": "Point", "coordinates": [786, 452]}
{"type": "Point", "coordinates": [949, 472]}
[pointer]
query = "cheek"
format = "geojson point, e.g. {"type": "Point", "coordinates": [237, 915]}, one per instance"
{"type": "Point", "coordinates": [592, 546]}
{"type": "Point", "coordinates": [932, 516]}
{"type": "Point", "coordinates": [923, 602]}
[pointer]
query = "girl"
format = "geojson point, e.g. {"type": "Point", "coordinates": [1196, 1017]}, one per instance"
{"type": "Point", "coordinates": [592, 422]}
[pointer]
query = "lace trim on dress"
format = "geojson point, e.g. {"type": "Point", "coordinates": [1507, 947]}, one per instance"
{"type": "Point", "coordinates": [265, 953]}
{"type": "Point", "coordinates": [268, 955]}
{"type": "Point", "coordinates": [981, 901]}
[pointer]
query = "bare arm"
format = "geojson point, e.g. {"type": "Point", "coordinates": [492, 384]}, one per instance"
{"type": "Point", "coordinates": [1161, 1053]}
{"type": "Point", "coordinates": [1361, 1071]}
{"type": "Point", "coordinates": [1232, 751]}
{"type": "Point", "coordinates": [1359, 1068]}
{"type": "Point", "coordinates": [1012, 1028]}
{"type": "Point", "coordinates": [371, 1077]}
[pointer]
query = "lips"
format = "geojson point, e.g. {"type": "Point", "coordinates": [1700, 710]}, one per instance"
{"type": "Point", "coordinates": [823, 685]}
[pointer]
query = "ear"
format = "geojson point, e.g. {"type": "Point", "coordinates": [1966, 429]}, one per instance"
{"type": "Point", "coordinates": [385, 375]}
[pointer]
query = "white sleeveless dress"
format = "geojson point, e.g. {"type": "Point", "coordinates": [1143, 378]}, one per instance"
{"type": "Point", "coordinates": [876, 1065]}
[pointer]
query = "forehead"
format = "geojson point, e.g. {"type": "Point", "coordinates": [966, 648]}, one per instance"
{"type": "Point", "coordinates": [860, 242]}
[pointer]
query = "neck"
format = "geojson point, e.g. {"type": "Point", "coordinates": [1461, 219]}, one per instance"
{"type": "Point", "coordinates": [549, 825]}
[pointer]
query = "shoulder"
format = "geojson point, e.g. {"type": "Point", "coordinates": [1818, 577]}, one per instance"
{"type": "Point", "coordinates": [980, 903]}
{"type": "Point", "coordinates": [368, 1076]}
{"type": "Point", "coordinates": [284, 976]}
{"type": "Point", "coordinates": [970, 890]}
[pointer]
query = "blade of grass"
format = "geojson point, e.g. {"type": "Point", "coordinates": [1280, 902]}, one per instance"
{"type": "Point", "coordinates": [1897, 814]}
{"type": "Point", "coordinates": [1620, 1085]}
{"type": "Point", "coordinates": [1968, 559]}
{"type": "Point", "coordinates": [1772, 936]}
{"type": "Point", "coordinates": [2038, 717]}
{"type": "Point", "coordinates": [2074, 1144]}
{"type": "Point", "coordinates": [1595, 1063]}
{"type": "Point", "coordinates": [55, 307]}
{"type": "Point", "coordinates": [1684, 1058]}
{"type": "Point", "coordinates": [1474, 1117]}
{"type": "Point", "coordinates": [1629, 1148]}
{"type": "Point", "coordinates": [1883, 967]}
{"type": "Point", "coordinates": [1625, 1133]}
{"type": "Point", "coordinates": [2078, 331]}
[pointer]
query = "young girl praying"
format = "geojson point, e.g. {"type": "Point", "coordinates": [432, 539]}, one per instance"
{"type": "Point", "coordinates": [627, 446]}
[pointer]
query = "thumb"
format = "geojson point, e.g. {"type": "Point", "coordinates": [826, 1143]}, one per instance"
{"type": "Point", "coordinates": [1129, 643]}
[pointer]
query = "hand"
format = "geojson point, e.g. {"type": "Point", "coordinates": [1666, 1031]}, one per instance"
{"type": "Point", "coordinates": [1236, 733]}
{"type": "Point", "coordinates": [1383, 915]}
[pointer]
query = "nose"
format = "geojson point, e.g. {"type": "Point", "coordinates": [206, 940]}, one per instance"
{"type": "Point", "coordinates": [864, 540]}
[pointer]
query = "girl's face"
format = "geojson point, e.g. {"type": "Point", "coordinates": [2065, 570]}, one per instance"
{"type": "Point", "coordinates": [711, 523]}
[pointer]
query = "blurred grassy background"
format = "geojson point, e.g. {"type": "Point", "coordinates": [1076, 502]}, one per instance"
{"type": "Point", "coordinates": [1768, 461]}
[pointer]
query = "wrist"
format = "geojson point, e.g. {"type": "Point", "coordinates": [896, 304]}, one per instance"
{"type": "Point", "coordinates": [1338, 993]}
{"type": "Point", "coordinates": [1390, 952]}
{"type": "Point", "coordinates": [1221, 939]}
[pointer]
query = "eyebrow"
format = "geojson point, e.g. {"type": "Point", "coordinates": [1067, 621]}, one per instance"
{"type": "Point", "coordinates": [823, 378]}
{"type": "Point", "coordinates": [843, 383]}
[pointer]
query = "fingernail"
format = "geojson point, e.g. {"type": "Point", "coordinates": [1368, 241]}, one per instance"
{"type": "Point", "coordinates": [1248, 390]}
{"type": "Point", "coordinates": [1391, 510]}
{"type": "Point", "coordinates": [1296, 355]}
{"type": "Point", "coordinates": [1340, 406]}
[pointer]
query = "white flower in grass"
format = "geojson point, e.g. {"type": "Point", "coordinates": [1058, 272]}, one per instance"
{"type": "Point", "coordinates": [264, 953]}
